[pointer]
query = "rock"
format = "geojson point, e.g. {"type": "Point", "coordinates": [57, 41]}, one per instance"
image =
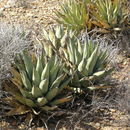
{"type": "Point", "coordinates": [34, 16]}
{"type": "Point", "coordinates": [111, 121]}
{"type": "Point", "coordinates": [16, 17]}
{"type": "Point", "coordinates": [29, 15]}
{"type": "Point", "coordinates": [97, 124]}
{"type": "Point", "coordinates": [112, 110]}
{"type": "Point", "coordinates": [34, 7]}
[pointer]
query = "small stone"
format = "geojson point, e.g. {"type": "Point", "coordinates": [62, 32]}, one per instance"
{"type": "Point", "coordinates": [112, 110]}
{"type": "Point", "coordinates": [34, 16]}
{"type": "Point", "coordinates": [125, 63]}
{"type": "Point", "coordinates": [37, 21]}
{"type": "Point", "coordinates": [111, 121]}
{"type": "Point", "coordinates": [16, 17]}
{"type": "Point", "coordinates": [34, 7]}
{"type": "Point", "coordinates": [29, 15]}
{"type": "Point", "coordinates": [97, 124]}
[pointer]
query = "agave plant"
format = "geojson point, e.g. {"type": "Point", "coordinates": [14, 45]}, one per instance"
{"type": "Point", "coordinates": [39, 83]}
{"type": "Point", "coordinates": [109, 14]}
{"type": "Point", "coordinates": [55, 38]}
{"type": "Point", "coordinates": [74, 15]}
{"type": "Point", "coordinates": [90, 62]}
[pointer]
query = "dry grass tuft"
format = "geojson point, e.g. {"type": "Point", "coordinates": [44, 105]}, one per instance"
{"type": "Point", "coordinates": [13, 39]}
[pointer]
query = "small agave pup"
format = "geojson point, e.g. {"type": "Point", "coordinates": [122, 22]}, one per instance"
{"type": "Point", "coordinates": [89, 61]}
{"type": "Point", "coordinates": [39, 83]}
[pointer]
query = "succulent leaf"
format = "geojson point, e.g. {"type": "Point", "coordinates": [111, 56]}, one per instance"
{"type": "Point", "coordinates": [26, 80]}
{"type": "Point", "coordinates": [28, 65]}
{"type": "Point", "coordinates": [57, 81]}
{"type": "Point", "coordinates": [39, 66]}
{"type": "Point", "coordinates": [60, 101]}
{"type": "Point", "coordinates": [41, 101]}
{"type": "Point", "coordinates": [92, 61]}
{"type": "Point", "coordinates": [44, 85]}
{"type": "Point", "coordinates": [30, 103]}
{"type": "Point", "coordinates": [35, 77]}
{"type": "Point", "coordinates": [52, 93]}
{"type": "Point", "coordinates": [45, 72]}
{"type": "Point", "coordinates": [36, 92]}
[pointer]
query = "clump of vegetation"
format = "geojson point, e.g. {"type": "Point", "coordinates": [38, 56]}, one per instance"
{"type": "Point", "coordinates": [38, 83]}
{"type": "Point", "coordinates": [87, 58]}
{"type": "Point", "coordinates": [105, 14]}
{"type": "Point", "coordinates": [13, 39]}
{"type": "Point", "coordinates": [74, 15]}
{"type": "Point", "coordinates": [89, 62]}
{"type": "Point", "coordinates": [55, 37]}
{"type": "Point", "coordinates": [109, 14]}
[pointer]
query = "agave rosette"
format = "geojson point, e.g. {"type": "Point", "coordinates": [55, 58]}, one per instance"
{"type": "Point", "coordinates": [55, 38]}
{"type": "Point", "coordinates": [74, 15]}
{"type": "Point", "coordinates": [89, 62]}
{"type": "Point", "coordinates": [109, 14]}
{"type": "Point", "coordinates": [39, 82]}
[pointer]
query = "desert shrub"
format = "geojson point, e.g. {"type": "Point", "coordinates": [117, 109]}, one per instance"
{"type": "Point", "coordinates": [13, 39]}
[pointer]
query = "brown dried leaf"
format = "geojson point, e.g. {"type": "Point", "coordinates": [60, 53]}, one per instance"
{"type": "Point", "coordinates": [20, 110]}
{"type": "Point", "coordinates": [12, 89]}
{"type": "Point", "coordinates": [10, 101]}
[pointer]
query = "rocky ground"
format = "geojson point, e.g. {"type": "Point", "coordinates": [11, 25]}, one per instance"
{"type": "Point", "coordinates": [38, 14]}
